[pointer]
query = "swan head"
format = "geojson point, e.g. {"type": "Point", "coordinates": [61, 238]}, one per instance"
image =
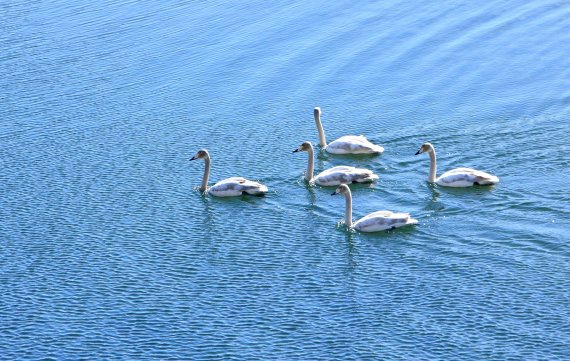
{"type": "Point", "coordinates": [342, 189]}
{"type": "Point", "coordinates": [317, 112]}
{"type": "Point", "coordinates": [305, 147]}
{"type": "Point", "coordinates": [425, 148]}
{"type": "Point", "coordinates": [201, 154]}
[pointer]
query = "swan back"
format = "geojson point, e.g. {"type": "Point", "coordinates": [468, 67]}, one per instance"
{"type": "Point", "coordinates": [466, 177]}
{"type": "Point", "coordinates": [237, 186]}
{"type": "Point", "coordinates": [383, 220]}
{"type": "Point", "coordinates": [353, 144]}
{"type": "Point", "coordinates": [344, 175]}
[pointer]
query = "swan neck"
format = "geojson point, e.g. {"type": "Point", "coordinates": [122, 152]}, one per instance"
{"type": "Point", "coordinates": [432, 166]}
{"type": "Point", "coordinates": [310, 164]}
{"type": "Point", "coordinates": [204, 185]}
{"type": "Point", "coordinates": [348, 209]}
{"type": "Point", "coordinates": [322, 138]}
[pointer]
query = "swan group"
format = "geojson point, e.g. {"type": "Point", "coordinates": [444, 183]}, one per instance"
{"type": "Point", "coordinates": [341, 176]}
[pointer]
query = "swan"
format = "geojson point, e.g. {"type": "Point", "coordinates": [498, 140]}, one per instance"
{"type": "Point", "coordinates": [458, 177]}
{"type": "Point", "coordinates": [349, 144]}
{"type": "Point", "coordinates": [230, 187]}
{"type": "Point", "coordinates": [373, 222]}
{"type": "Point", "coordinates": [336, 175]}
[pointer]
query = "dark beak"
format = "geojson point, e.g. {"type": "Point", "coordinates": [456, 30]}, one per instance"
{"type": "Point", "coordinates": [418, 152]}
{"type": "Point", "coordinates": [296, 150]}
{"type": "Point", "coordinates": [333, 193]}
{"type": "Point", "coordinates": [193, 158]}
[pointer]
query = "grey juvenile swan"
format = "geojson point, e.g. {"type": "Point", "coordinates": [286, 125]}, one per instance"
{"type": "Point", "coordinates": [336, 175]}
{"type": "Point", "coordinates": [373, 222]}
{"type": "Point", "coordinates": [230, 187]}
{"type": "Point", "coordinates": [349, 144]}
{"type": "Point", "coordinates": [458, 177]}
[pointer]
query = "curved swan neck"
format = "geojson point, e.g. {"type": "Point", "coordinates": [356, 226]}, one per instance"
{"type": "Point", "coordinates": [204, 185]}
{"type": "Point", "coordinates": [432, 166]}
{"type": "Point", "coordinates": [348, 209]}
{"type": "Point", "coordinates": [322, 138]}
{"type": "Point", "coordinates": [310, 164]}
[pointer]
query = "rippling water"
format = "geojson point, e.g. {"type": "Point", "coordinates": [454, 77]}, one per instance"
{"type": "Point", "coordinates": [108, 250]}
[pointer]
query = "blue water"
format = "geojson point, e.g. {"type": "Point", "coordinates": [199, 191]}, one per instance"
{"type": "Point", "coordinates": [109, 251]}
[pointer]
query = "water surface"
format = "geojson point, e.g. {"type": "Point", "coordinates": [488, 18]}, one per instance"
{"type": "Point", "coordinates": [109, 251]}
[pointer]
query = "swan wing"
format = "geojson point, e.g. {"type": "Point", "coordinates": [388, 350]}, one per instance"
{"type": "Point", "coordinates": [236, 186]}
{"type": "Point", "coordinates": [382, 220]}
{"type": "Point", "coordinates": [353, 144]}
{"type": "Point", "coordinates": [466, 177]}
{"type": "Point", "coordinates": [344, 174]}
{"type": "Point", "coordinates": [340, 168]}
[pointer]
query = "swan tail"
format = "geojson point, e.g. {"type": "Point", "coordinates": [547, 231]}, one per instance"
{"type": "Point", "coordinates": [255, 190]}
{"type": "Point", "coordinates": [412, 221]}
{"type": "Point", "coordinates": [489, 180]}
{"type": "Point", "coordinates": [368, 178]}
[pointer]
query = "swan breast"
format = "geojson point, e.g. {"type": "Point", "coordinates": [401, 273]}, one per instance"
{"type": "Point", "coordinates": [466, 177]}
{"type": "Point", "coordinates": [236, 186]}
{"type": "Point", "coordinates": [383, 220]}
{"type": "Point", "coordinates": [345, 175]}
{"type": "Point", "coordinates": [353, 144]}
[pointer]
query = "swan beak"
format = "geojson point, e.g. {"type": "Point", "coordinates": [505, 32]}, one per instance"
{"type": "Point", "coordinates": [418, 152]}
{"type": "Point", "coordinates": [333, 193]}
{"type": "Point", "coordinates": [193, 158]}
{"type": "Point", "coordinates": [296, 150]}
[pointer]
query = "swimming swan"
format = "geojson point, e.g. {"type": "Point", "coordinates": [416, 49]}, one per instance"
{"type": "Point", "coordinates": [458, 177]}
{"type": "Point", "coordinates": [230, 187]}
{"type": "Point", "coordinates": [336, 175]}
{"type": "Point", "coordinates": [349, 144]}
{"type": "Point", "coordinates": [373, 222]}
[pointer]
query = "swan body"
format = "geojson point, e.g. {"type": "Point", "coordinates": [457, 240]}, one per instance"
{"type": "Point", "coordinates": [373, 222]}
{"type": "Point", "coordinates": [349, 144]}
{"type": "Point", "coordinates": [336, 175]}
{"type": "Point", "coordinates": [237, 186]}
{"type": "Point", "coordinates": [230, 187]}
{"type": "Point", "coordinates": [465, 177]}
{"type": "Point", "coordinates": [458, 177]}
{"type": "Point", "coordinates": [344, 174]}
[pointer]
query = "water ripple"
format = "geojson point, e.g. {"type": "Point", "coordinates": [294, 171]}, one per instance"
{"type": "Point", "coordinates": [109, 251]}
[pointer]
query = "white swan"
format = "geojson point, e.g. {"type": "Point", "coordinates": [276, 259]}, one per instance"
{"type": "Point", "coordinates": [373, 222]}
{"type": "Point", "coordinates": [458, 177]}
{"type": "Point", "coordinates": [230, 187]}
{"type": "Point", "coordinates": [336, 175]}
{"type": "Point", "coordinates": [349, 144]}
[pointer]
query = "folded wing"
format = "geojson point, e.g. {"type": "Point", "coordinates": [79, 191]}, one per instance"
{"type": "Point", "coordinates": [353, 144]}
{"type": "Point", "coordinates": [345, 175]}
{"type": "Point", "coordinates": [236, 186]}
